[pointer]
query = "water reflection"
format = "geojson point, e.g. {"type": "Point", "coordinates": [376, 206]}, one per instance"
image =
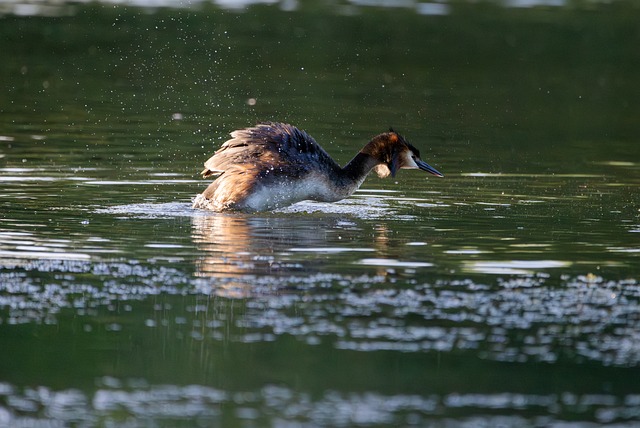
{"type": "Point", "coordinates": [236, 248]}
{"type": "Point", "coordinates": [302, 240]}
{"type": "Point", "coordinates": [227, 252]}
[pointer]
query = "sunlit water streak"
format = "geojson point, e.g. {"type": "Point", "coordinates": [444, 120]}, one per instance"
{"type": "Point", "coordinates": [513, 267]}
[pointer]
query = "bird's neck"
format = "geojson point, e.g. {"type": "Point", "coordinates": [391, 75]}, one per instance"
{"type": "Point", "coordinates": [359, 167]}
{"type": "Point", "coordinates": [354, 173]}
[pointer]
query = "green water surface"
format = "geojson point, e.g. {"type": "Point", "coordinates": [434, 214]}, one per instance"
{"type": "Point", "coordinates": [505, 294]}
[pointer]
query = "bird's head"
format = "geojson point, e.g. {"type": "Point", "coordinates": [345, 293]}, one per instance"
{"type": "Point", "coordinates": [394, 152]}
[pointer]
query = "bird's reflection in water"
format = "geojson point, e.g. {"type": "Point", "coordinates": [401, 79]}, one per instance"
{"type": "Point", "coordinates": [241, 252]}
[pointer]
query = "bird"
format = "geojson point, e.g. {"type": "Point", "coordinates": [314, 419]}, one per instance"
{"type": "Point", "coordinates": [273, 165]}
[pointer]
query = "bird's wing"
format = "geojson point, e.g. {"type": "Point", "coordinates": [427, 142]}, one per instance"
{"type": "Point", "coordinates": [271, 144]}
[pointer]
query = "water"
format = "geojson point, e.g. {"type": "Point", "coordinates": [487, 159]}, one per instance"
{"type": "Point", "coordinates": [505, 294]}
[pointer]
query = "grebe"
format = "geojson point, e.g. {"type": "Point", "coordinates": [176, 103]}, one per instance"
{"type": "Point", "coordinates": [274, 164]}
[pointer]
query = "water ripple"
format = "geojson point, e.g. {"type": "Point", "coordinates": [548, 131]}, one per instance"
{"type": "Point", "coordinates": [116, 401]}
{"type": "Point", "coordinates": [521, 319]}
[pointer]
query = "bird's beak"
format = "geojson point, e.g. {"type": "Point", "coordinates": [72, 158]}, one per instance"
{"type": "Point", "coordinates": [426, 167]}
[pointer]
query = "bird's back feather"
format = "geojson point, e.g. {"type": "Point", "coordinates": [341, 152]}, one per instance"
{"type": "Point", "coordinates": [269, 145]}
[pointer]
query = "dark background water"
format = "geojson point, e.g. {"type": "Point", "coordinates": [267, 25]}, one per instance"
{"type": "Point", "coordinates": [506, 293]}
